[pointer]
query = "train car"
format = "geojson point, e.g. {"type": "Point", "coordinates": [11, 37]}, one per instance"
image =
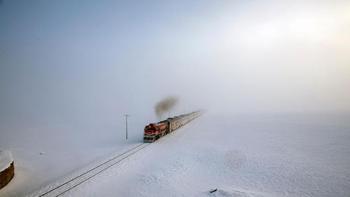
{"type": "Point", "coordinates": [154, 131]}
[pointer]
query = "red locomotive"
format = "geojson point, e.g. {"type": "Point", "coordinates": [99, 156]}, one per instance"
{"type": "Point", "coordinates": [155, 131]}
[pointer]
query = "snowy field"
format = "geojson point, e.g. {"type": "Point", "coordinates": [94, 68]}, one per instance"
{"type": "Point", "coordinates": [280, 155]}
{"type": "Point", "coordinates": [44, 154]}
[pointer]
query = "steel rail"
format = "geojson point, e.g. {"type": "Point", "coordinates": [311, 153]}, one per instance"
{"type": "Point", "coordinates": [103, 166]}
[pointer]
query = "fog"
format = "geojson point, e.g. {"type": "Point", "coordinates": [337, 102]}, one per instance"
{"type": "Point", "coordinates": [88, 63]}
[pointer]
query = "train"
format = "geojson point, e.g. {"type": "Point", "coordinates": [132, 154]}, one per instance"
{"type": "Point", "coordinates": [154, 131]}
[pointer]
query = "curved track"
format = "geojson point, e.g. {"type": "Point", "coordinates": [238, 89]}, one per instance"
{"type": "Point", "coordinates": [62, 188]}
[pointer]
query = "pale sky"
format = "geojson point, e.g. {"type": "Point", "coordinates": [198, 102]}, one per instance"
{"type": "Point", "coordinates": [92, 61]}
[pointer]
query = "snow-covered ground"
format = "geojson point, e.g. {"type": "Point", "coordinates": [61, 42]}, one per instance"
{"type": "Point", "coordinates": [44, 154]}
{"type": "Point", "coordinates": [281, 155]}
{"type": "Point", "coordinates": [5, 160]}
{"type": "Point", "coordinates": [246, 155]}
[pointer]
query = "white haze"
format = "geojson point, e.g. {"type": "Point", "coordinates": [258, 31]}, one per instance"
{"type": "Point", "coordinates": [231, 56]}
{"type": "Point", "coordinates": [275, 57]}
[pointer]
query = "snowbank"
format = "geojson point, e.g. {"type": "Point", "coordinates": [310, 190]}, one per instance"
{"type": "Point", "coordinates": [5, 160]}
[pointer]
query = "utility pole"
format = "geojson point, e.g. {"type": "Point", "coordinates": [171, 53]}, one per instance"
{"type": "Point", "coordinates": [126, 126]}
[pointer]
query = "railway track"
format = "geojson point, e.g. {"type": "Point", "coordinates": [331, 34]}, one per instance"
{"type": "Point", "coordinates": [60, 188]}
{"type": "Point", "coordinates": [71, 183]}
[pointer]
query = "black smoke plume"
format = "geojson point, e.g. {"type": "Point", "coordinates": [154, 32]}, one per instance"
{"type": "Point", "coordinates": [165, 105]}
